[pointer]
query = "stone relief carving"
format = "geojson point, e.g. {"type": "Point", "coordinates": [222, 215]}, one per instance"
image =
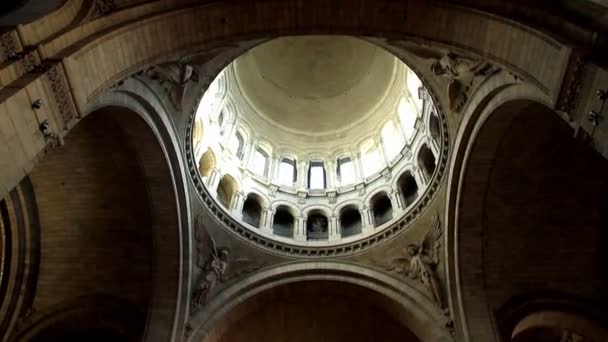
{"type": "Point", "coordinates": [462, 72]}
{"type": "Point", "coordinates": [214, 262]}
{"type": "Point", "coordinates": [173, 77]}
{"type": "Point", "coordinates": [572, 84]}
{"type": "Point", "coordinates": [62, 93]}
{"type": "Point", "coordinates": [419, 262]}
{"type": "Point", "coordinates": [98, 9]}
{"type": "Point", "coordinates": [9, 45]}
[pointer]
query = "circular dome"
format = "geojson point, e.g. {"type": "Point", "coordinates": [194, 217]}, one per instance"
{"type": "Point", "coordinates": [317, 145]}
{"type": "Point", "coordinates": [315, 84]}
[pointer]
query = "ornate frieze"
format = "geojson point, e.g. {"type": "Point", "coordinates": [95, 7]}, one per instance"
{"type": "Point", "coordinates": [10, 45]}
{"type": "Point", "coordinates": [63, 95]}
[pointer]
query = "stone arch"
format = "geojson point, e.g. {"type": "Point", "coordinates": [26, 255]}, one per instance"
{"type": "Point", "coordinates": [411, 308]}
{"type": "Point", "coordinates": [133, 185]}
{"type": "Point", "coordinates": [554, 325]}
{"type": "Point", "coordinates": [284, 220]}
{"type": "Point", "coordinates": [317, 224]}
{"type": "Point", "coordinates": [252, 209]}
{"type": "Point", "coordinates": [226, 189]}
{"type": "Point", "coordinates": [382, 208]}
{"type": "Point", "coordinates": [408, 188]}
{"type": "Point", "coordinates": [501, 138]}
{"type": "Point", "coordinates": [351, 222]}
{"type": "Point", "coordinates": [352, 202]}
{"type": "Point", "coordinates": [207, 163]}
{"type": "Point", "coordinates": [427, 161]}
{"type": "Point", "coordinates": [169, 284]}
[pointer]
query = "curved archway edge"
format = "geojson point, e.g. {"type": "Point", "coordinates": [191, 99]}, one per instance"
{"type": "Point", "coordinates": [156, 119]}
{"type": "Point", "coordinates": [417, 312]}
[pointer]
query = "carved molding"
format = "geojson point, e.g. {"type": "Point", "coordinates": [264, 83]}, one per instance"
{"type": "Point", "coordinates": [10, 45]}
{"type": "Point", "coordinates": [99, 8]}
{"type": "Point", "coordinates": [572, 83]}
{"type": "Point", "coordinates": [63, 95]}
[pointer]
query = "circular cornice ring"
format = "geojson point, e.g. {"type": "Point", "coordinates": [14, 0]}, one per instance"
{"type": "Point", "coordinates": [286, 249]}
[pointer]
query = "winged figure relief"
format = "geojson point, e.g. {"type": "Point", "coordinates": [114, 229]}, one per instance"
{"type": "Point", "coordinates": [214, 262]}
{"type": "Point", "coordinates": [420, 260]}
{"type": "Point", "coordinates": [458, 69]}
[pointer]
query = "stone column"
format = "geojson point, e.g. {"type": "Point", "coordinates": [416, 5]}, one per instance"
{"type": "Point", "coordinates": [380, 146]}
{"type": "Point", "coordinates": [273, 177]}
{"type": "Point", "coordinates": [395, 202]}
{"type": "Point", "coordinates": [299, 233]}
{"type": "Point", "coordinates": [333, 233]}
{"type": "Point", "coordinates": [330, 174]}
{"type": "Point", "coordinates": [213, 181]}
{"type": "Point", "coordinates": [359, 166]}
{"type": "Point", "coordinates": [434, 148]}
{"type": "Point", "coordinates": [302, 174]}
{"type": "Point", "coordinates": [248, 156]}
{"type": "Point", "coordinates": [237, 205]}
{"type": "Point", "coordinates": [228, 133]}
{"type": "Point", "coordinates": [356, 165]}
{"type": "Point", "coordinates": [366, 219]}
{"type": "Point", "coordinates": [266, 220]}
{"type": "Point", "coordinates": [419, 176]}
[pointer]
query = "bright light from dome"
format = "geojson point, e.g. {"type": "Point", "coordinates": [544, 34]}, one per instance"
{"type": "Point", "coordinates": [372, 161]}
{"type": "Point", "coordinates": [302, 132]}
{"type": "Point", "coordinates": [347, 171]}
{"type": "Point", "coordinates": [317, 177]}
{"type": "Point", "coordinates": [413, 86]}
{"type": "Point", "coordinates": [407, 116]}
{"type": "Point", "coordinates": [260, 163]}
{"type": "Point", "coordinates": [392, 139]}
{"type": "Point", "coordinates": [286, 172]}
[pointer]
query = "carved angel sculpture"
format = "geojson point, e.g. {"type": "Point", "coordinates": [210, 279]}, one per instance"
{"type": "Point", "coordinates": [214, 262]}
{"type": "Point", "coordinates": [173, 77]}
{"type": "Point", "coordinates": [422, 261]}
{"type": "Point", "coordinates": [460, 70]}
{"type": "Point", "coordinates": [214, 266]}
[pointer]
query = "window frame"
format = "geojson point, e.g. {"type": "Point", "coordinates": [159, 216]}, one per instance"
{"type": "Point", "coordinates": [317, 163]}
{"type": "Point", "coordinates": [293, 163]}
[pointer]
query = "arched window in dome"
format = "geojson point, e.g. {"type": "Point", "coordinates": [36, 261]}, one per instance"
{"type": "Point", "coordinates": [426, 160]}
{"type": "Point", "coordinates": [434, 127]}
{"type": "Point", "coordinates": [392, 140]}
{"type": "Point", "coordinates": [350, 221]}
{"type": "Point", "coordinates": [414, 87]}
{"type": "Point", "coordinates": [317, 226]}
{"type": "Point", "coordinates": [260, 162]}
{"type": "Point", "coordinates": [283, 222]}
{"type": "Point", "coordinates": [252, 210]}
{"type": "Point", "coordinates": [407, 116]}
{"type": "Point", "coordinates": [316, 175]}
{"type": "Point", "coordinates": [287, 171]}
{"type": "Point", "coordinates": [226, 189]}
{"type": "Point", "coordinates": [345, 171]}
{"type": "Point", "coordinates": [370, 155]}
{"type": "Point", "coordinates": [236, 143]}
{"type": "Point", "coordinates": [408, 188]}
{"type": "Point", "coordinates": [207, 163]}
{"type": "Point", "coordinates": [382, 209]}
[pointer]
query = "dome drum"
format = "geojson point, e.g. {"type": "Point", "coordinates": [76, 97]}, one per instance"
{"type": "Point", "coordinates": [299, 187]}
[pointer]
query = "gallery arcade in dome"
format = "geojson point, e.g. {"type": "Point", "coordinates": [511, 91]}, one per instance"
{"type": "Point", "coordinates": [317, 140]}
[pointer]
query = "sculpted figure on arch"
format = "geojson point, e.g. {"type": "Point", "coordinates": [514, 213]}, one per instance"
{"type": "Point", "coordinates": [213, 262]}
{"type": "Point", "coordinates": [420, 261]}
